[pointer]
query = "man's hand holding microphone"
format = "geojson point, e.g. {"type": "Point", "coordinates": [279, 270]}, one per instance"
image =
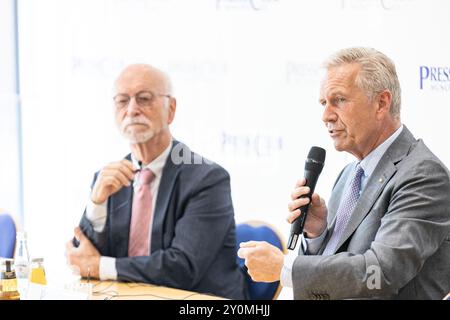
{"type": "Point", "coordinates": [265, 261]}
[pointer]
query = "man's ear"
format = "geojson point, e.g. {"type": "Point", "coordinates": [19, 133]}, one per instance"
{"type": "Point", "coordinates": [384, 103]}
{"type": "Point", "coordinates": [172, 109]}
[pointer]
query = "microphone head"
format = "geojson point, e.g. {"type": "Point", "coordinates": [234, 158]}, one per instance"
{"type": "Point", "coordinates": [317, 154]}
{"type": "Point", "coordinates": [315, 159]}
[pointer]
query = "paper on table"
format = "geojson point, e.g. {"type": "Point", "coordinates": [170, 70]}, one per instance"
{"type": "Point", "coordinates": [40, 292]}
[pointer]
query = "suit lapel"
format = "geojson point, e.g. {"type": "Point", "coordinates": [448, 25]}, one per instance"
{"type": "Point", "coordinates": [120, 210]}
{"type": "Point", "coordinates": [168, 179]}
{"type": "Point", "coordinates": [384, 171]}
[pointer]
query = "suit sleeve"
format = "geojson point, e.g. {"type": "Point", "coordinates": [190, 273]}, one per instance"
{"type": "Point", "coordinates": [98, 239]}
{"type": "Point", "coordinates": [199, 235]}
{"type": "Point", "coordinates": [413, 228]}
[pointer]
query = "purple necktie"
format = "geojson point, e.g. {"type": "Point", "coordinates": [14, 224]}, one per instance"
{"type": "Point", "coordinates": [345, 210]}
{"type": "Point", "coordinates": [141, 216]}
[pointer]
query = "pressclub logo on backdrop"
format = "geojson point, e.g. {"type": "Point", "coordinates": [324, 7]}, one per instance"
{"type": "Point", "coordinates": [434, 78]}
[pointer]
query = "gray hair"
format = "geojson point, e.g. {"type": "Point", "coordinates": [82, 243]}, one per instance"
{"type": "Point", "coordinates": [169, 87]}
{"type": "Point", "coordinates": [168, 82]}
{"type": "Point", "coordinates": [377, 73]}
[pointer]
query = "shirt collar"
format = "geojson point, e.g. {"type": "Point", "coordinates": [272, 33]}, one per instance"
{"type": "Point", "coordinates": [370, 162]}
{"type": "Point", "coordinates": [157, 165]}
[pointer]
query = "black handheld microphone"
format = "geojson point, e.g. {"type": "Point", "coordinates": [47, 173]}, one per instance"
{"type": "Point", "coordinates": [313, 167]}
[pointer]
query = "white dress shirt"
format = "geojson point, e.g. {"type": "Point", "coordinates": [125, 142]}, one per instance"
{"type": "Point", "coordinates": [96, 214]}
{"type": "Point", "coordinates": [312, 246]}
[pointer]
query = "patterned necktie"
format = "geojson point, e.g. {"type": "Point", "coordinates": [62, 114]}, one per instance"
{"type": "Point", "coordinates": [141, 216]}
{"type": "Point", "coordinates": [345, 210]}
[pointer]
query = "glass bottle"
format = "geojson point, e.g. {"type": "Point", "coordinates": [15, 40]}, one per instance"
{"type": "Point", "coordinates": [22, 261]}
{"type": "Point", "coordinates": [37, 272]}
{"type": "Point", "coordinates": [8, 280]}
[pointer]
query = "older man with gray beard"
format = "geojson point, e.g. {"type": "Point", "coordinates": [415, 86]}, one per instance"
{"type": "Point", "coordinates": [151, 217]}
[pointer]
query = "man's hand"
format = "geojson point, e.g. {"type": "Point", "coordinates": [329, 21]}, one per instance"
{"type": "Point", "coordinates": [263, 260]}
{"type": "Point", "coordinates": [85, 257]}
{"type": "Point", "coordinates": [111, 179]}
{"type": "Point", "coordinates": [316, 221]}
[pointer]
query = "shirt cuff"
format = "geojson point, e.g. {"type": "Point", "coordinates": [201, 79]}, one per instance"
{"type": "Point", "coordinates": [313, 245]}
{"type": "Point", "coordinates": [286, 271]}
{"type": "Point", "coordinates": [108, 269]}
{"type": "Point", "coordinates": [96, 214]}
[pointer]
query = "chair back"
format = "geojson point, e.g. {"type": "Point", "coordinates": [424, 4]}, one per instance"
{"type": "Point", "coordinates": [7, 236]}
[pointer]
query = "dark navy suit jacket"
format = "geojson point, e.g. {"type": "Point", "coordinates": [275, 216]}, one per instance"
{"type": "Point", "coordinates": [193, 243]}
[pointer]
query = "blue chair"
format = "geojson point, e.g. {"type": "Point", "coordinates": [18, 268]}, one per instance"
{"type": "Point", "coordinates": [7, 236]}
{"type": "Point", "coordinates": [260, 231]}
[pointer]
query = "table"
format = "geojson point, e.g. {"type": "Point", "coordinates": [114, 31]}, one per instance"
{"type": "Point", "coordinates": [114, 290]}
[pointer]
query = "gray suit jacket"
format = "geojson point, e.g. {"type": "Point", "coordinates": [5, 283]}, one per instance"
{"type": "Point", "coordinates": [193, 244]}
{"type": "Point", "coordinates": [397, 243]}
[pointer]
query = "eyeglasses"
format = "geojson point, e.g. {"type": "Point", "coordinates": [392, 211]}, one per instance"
{"type": "Point", "coordinates": [143, 99]}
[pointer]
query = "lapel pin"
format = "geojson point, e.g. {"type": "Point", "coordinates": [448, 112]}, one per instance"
{"type": "Point", "coordinates": [381, 180]}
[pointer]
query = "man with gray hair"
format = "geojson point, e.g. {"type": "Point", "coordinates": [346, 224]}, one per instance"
{"type": "Point", "coordinates": [386, 230]}
{"type": "Point", "coordinates": [160, 215]}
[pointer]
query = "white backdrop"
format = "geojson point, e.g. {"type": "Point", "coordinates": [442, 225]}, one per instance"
{"type": "Point", "coordinates": [246, 77]}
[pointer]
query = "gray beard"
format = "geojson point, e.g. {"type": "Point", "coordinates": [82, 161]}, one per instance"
{"type": "Point", "coordinates": [138, 137]}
